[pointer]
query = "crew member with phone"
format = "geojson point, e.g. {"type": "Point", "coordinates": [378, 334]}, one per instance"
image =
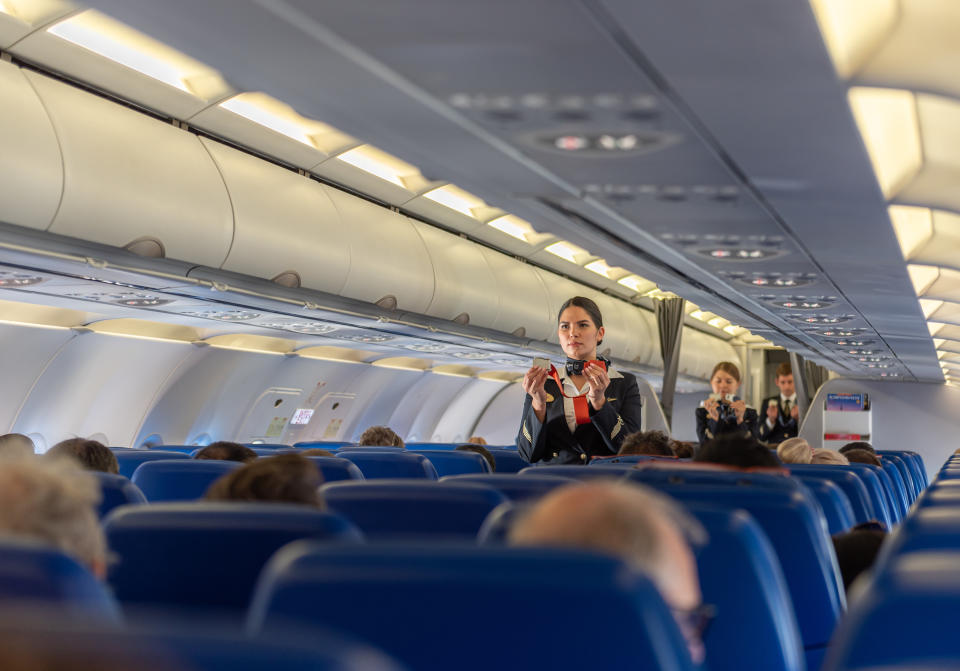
{"type": "Point", "coordinates": [725, 412]}
{"type": "Point", "coordinates": [783, 413]}
{"type": "Point", "coordinates": [583, 410]}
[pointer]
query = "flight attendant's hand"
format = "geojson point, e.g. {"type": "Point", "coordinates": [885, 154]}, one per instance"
{"type": "Point", "coordinates": [772, 412]}
{"type": "Point", "coordinates": [795, 411]}
{"type": "Point", "coordinates": [533, 384]}
{"type": "Point", "coordinates": [712, 406]}
{"type": "Point", "coordinates": [739, 408]}
{"type": "Point", "coordinates": [599, 381]}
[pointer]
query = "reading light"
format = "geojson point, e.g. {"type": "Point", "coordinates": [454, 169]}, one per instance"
{"type": "Point", "coordinates": [887, 119]}
{"type": "Point", "coordinates": [514, 227]}
{"type": "Point", "coordinates": [379, 163]}
{"type": "Point", "coordinates": [455, 198]}
{"type": "Point", "coordinates": [566, 250]}
{"type": "Point", "coordinates": [122, 44]}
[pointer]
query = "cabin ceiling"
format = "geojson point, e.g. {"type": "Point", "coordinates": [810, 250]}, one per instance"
{"type": "Point", "coordinates": [709, 146]}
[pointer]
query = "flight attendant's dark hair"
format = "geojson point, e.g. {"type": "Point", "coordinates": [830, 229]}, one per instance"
{"type": "Point", "coordinates": [586, 304]}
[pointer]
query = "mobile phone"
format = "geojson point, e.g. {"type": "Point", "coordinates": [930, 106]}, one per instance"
{"type": "Point", "coordinates": [541, 362]}
{"type": "Point", "coordinates": [773, 403]}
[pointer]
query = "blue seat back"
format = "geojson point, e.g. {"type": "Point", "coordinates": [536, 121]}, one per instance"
{"type": "Point", "coordinates": [929, 528]}
{"type": "Point", "coordinates": [37, 573]}
{"type": "Point", "coordinates": [798, 533]}
{"type": "Point", "coordinates": [835, 504]}
{"type": "Point", "coordinates": [129, 460]}
{"type": "Point", "coordinates": [431, 446]}
{"type": "Point", "coordinates": [936, 496]}
{"type": "Point", "coordinates": [914, 462]}
{"type": "Point", "coordinates": [390, 509]}
{"type": "Point", "coordinates": [375, 464]}
{"type": "Point", "coordinates": [851, 484]}
{"type": "Point", "coordinates": [901, 498]}
{"type": "Point", "coordinates": [740, 575]}
{"type": "Point", "coordinates": [266, 446]}
{"type": "Point", "coordinates": [913, 485]}
{"type": "Point", "coordinates": [508, 460]}
{"type": "Point", "coordinates": [369, 448]}
{"type": "Point", "coordinates": [323, 444]}
{"type": "Point", "coordinates": [631, 459]}
{"type": "Point", "coordinates": [206, 554]}
{"type": "Point", "coordinates": [692, 475]}
{"type": "Point", "coordinates": [116, 491]}
{"type": "Point", "coordinates": [879, 488]}
{"type": "Point", "coordinates": [513, 486]}
{"type": "Point", "coordinates": [454, 462]}
{"type": "Point", "coordinates": [334, 469]}
{"type": "Point", "coordinates": [610, 472]}
{"type": "Point", "coordinates": [179, 479]}
{"type": "Point", "coordinates": [907, 616]}
{"type": "Point", "coordinates": [387, 594]}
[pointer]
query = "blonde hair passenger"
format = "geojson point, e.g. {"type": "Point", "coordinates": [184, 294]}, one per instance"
{"type": "Point", "coordinates": [824, 456]}
{"type": "Point", "coordinates": [795, 451]}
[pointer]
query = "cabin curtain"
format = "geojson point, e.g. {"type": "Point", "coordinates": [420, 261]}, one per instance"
{"type": "Point", "coordinates": [670, 314]}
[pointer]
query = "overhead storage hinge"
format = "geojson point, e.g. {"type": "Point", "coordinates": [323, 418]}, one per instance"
{"type": "Point", "coordinates": [4, 56]}
{"type": "Point", "coordinates": [180, 124]}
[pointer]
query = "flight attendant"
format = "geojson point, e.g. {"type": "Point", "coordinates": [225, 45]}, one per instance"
{"type": "Point", "coordinates": [783, 413]}
{"type": "Point", "coordinates": [584, 409]}
{"type": "Point", "coordinates": [724, 412]}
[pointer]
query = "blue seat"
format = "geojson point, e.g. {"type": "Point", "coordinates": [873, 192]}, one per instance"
{"type": "Point", "coordinates": [631, 459]}
{"type": "Point", "coordinates": [129, 460]}
{"type": "Point", "coordinates": [37, 573]}
{"type": "Point", "coordinates": [906, 616]}
{"type": "Point", "coordinates": [206, 554]}
{"type": "Point", "coordinates": [375, 464]}
{"type": "Point", "coordinates": [880, 490]}
{"type": "Point", "coordinates": [50, 641]}
{"type": "Point", "coordinates": [937, 496]}
{"type": "Point", "coordinates": [322, 444]}
{"type": "Point", "coordinates": [423, 605]}
{"type": "Point", "coordinates": [508, 460]}
{"type": "Point", "coordinates": [116, 490]}
{"type": "Point", "coordinates": [513, 486]}
{"type": "Point", "coordinates": [912, 483]}
{"type": "Point", "coordinates": [389, 509]}
{"type": "Point", "coordinates": [900, 494]}
{"type": "Point", "coordinates": [431, 446]}
{"type": "Point", "coordinates": [755, 626]}
{"type": "Point", "coordinates": [179, 479]}
{"type": "Point", "coordinates": [185, 449]}
{"type": "Point", "coordinates": [929, 528]}
{"type": "Point", "coordinates": [915, 463]}
{"type": "Point", "coordinates": [577, 472]}
{"type": "Point", "coordinates": [852, 485]}
{"type": "Point", "coordinates": [797, 530]}
{"type": "Point", "coordinates": [694, 475]}
{"type": "Point", "coordinates": [334, 469]}
{"type": "Point", "coordinates": [835, 504]}
{"type": "Point", "coordinates": [267, 446]}
{"type": "Point", "coordinates": [453, 462]}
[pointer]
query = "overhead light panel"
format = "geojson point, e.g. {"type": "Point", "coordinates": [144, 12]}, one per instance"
{"type": "Point", "coordinates": [456, 199]}
{"type": "Point", "coordinates": [887, 119]}
{"type": "Point", "coordinates": [122, 44]}
{"type": "Point", "coordinates": [734, 330]}
{"type": "Point", "coordinates": [380, 164]}
{"type": "Point", "coordinates": [913, 226]}
{"type": "Point", "coordinates": [718, 322]}
{"type": "Point", "coordinates": [514, 227]}
{"type": "Point", "coordinates": [568, 251]}
{"type": "Point", "coordinates": [403, 363]}
{"type": "Point", "coordinates": [279, 117]}
{"type": "Point", "coordinates": [922, 277]}
{"type": "Point", "coordinates": [637, 283]}
{"type": "Point", "coordinates": [852, 29]}
{"type": "Point", "coordinates": [600, 267]}
{"type": "Point", "coordinates": [929, 307]}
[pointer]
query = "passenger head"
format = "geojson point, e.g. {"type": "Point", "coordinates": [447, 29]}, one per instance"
{"type": "Point", "coordinates": [682, 449]}
{"type": "Point", "coordinates": [638, 525]}
{"type": "Point", "coordinates": [482, 451]}
{"type": "Point", "coordinates": [580, 328]}
{"type": "Point", "coordinates": [380, 436]}
{"type": "Point", "coordinates": [316, 452]}
{"type": "Point", "coordinates": [477, 440]}
{"type": "Point", "coordinates": [857, 445]}
{"type": "Point", "coordinates": [821, 455]}
{"type": "Point", "coordinates": [92, 455]}
{"type": "Point", "coordinates": [856, 550]}
{"type": "Point", "coordinates": [16, 443]}
{"type": "Point", "coordinates": [285, 478]}
{"type": "Point", "coordinates": [224, 450]}
{"type": "Point", "coordinates": [784, 379]}
{"type": "Point", "coordinates": [795, 451]}
{"type": "Point", "coordinates": [647, 442]}
{"type": "Point", "coordinates": [725, 378]}
{"type": "Point", "coordinates": [862, 457]}
{"type": "Point", "coordinates": [55, 502]}
{"type": "Point", "coordinates": [739, 451]}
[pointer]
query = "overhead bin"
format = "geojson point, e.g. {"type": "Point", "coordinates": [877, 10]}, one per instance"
{"type": "Point", "coordinates": [465, 287]}
{"type": "Point", "coordinates": [388, 257]}
{"type": "Point", "coordinates": [524, 301]}
{"type": "Point", "coordinates": [128, 176]}
{"type": "Point", "coordinates": [30, 156]}
{"type": "Point", "coordinates": [283, 222]}
{"type": "Point", "coordinates": [700, 352]}
{"type": "Point", "coordinates": [635, 338]}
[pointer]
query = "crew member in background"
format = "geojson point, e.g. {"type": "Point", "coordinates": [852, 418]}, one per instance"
{"type": "Point", "coordinates": [782, 412]}
{"type": "Point", "coordinates": [586, 408]}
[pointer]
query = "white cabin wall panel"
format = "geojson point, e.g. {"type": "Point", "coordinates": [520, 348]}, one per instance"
{"type": "Point", "coordinates": [388, 257]}
{"type": "Point", "coordinates": [34, 348]}
{"type": "Point", "coordinates": [500, 421]}
{"type": "Point", "coordinates": [425, 403]}
{"type": "Point", "coordinates": [464, 280]}
{"type": "Point", "coordinates": [30, 157]}
{"type": "Point", "coordinates": [99, 384]}
{"type": "Point", "coordinates": [127, 176]}
{"type": "Point", "coordinates": [464, 410]}
{"type": "Point", "coordinates": [283, 221]}
{"type": "Point", "coordinates": [523, 297]}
